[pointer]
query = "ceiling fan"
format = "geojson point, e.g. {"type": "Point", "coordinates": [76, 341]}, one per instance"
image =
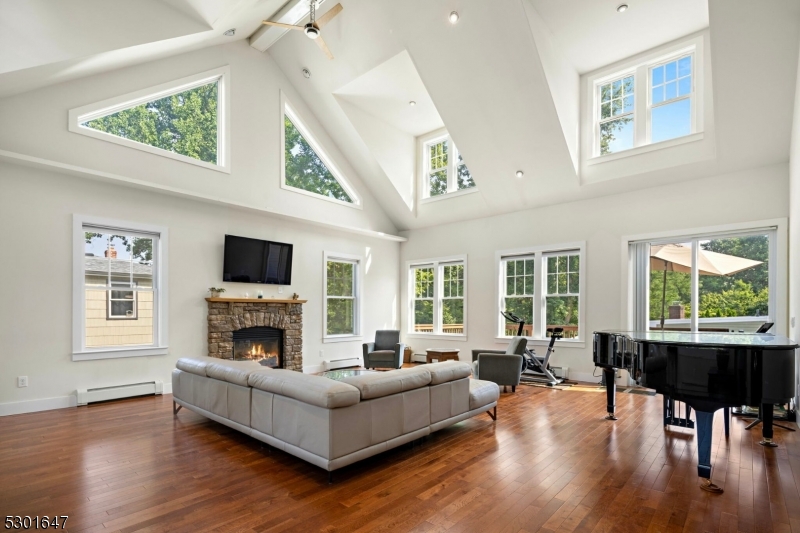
{"type": "Point", "coordinates": [313, 29]}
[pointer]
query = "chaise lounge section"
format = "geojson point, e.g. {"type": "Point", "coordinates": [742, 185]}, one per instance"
{"type": "Point", "coordinates": [329, 423]}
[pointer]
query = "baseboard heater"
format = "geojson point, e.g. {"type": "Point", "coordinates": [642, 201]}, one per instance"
{"type": "Point", "coordinates": [103, 394]}
{"type": "Point", "coordinates": [342, 363]}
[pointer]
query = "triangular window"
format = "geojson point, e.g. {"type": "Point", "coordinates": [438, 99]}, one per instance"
{"type": "Point", "coordinates": [307, 168]}
{"type": "Point", "coordinates": [181, 120]}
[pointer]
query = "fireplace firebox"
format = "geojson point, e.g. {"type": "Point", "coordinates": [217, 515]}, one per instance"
{"type": "Point", "coordinates": [261, 344]}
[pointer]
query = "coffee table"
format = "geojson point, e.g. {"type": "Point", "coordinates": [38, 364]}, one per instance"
{"type": "Point", "coordinates": [345, 373]}
{"type": "Point", "coordinates": [442, 354]}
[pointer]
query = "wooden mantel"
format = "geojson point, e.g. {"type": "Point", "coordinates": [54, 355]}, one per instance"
{"type": "Point", "coordinates": [256, 300]}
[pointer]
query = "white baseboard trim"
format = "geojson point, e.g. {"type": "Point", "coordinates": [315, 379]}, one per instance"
{"type": "Point", "coordinates": [32, 406]}
{"type": "Point", "coordinates": [588, 377]}
{"type": "Point", "coordinates": [342, 363]}
{"type": "Point", "coordinates": [48, 404]}
{"type": "Point", "coordinates": [314, 369]}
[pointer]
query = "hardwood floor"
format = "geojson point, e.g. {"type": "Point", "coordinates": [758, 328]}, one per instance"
{"type": "Point", "coordinates": [549, 463]}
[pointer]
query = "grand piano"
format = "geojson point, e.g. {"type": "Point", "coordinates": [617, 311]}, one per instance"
{"type": "Point", "coordinates": [706, 371]}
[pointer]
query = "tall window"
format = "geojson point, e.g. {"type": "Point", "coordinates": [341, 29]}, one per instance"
{"type": "Point", "coordinates": [437, 299]}
{"type": "Point", "coordinates": [120, 306]}
{"type": "Point", "coordinates": [306, 168]}
{"type": "Point", "coordinates": [342, 296]}
{"type": "Point", "coordinates": [543, 287]}
{"type": "Point", "coordinates": [444, 168]}
{"type": "Point", "coordinates": [647, 103]}
{"type": "Point", "coordinates": [184, 120]}
{"type": "Point", "coordinates": [715, 283]}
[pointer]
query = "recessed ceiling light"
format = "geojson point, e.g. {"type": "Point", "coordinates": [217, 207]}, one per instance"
{"type": "Point", "coordinates": [622, 8]}
{"type": "Point", "coordinates": [306, 73]}
{"type": "Point", "coordinates": [412, 103]}
{"type": "Point", "coordinates": [230, 33]}
{"type": "Point", "coordinates": [519, 173]}
{"type": "Point", "coordinates": [453, 17]}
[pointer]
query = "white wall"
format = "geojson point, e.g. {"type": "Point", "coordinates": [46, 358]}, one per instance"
{"type": "Point", "coordinates": [751, 195]}
{"type": "Point", "coordinates": [794, 225]}
{"type": "Point", "coordinates": [36, 208]}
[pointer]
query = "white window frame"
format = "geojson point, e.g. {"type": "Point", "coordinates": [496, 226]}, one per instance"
{"type": "Point", "coordinates": [357, 261]}
{"type": "Point", "coordinates": [636, 295]}
{"type": "Point", "coordinates": [135, 300]}
{"type": "Point", "coordinates": [640, 69]}
{"type": "Point", "coordinates": [438, 265]}
{"type": "Point", "coordinates": [289, 110]}
{"type": "Point", "coordinates": [599, 121]}
{"type": "Point", "coordinates": [540, 253]}
{"type": "Point", "coordinates": [221, 75]}
{"type": "Point", "coordinates": [424, 170]}
{"type": "Point", "coordinates": [160, 346]}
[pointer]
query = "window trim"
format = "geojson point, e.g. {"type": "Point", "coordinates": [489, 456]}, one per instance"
{"type": "Point", "coordinates": [423, 168]}
{"type": "Point", "coordinates": [437, 263]}
{"type": "Point", "coordinates": [81, 114]}
{"type": "Point", "coordinates": [540, 254]}
{"type": "Point", "coordinates": [288, 109]}
{"type": "Point", "coordinates": [358, 260]}
{"type": "Point", "coordinates": [160, 346]}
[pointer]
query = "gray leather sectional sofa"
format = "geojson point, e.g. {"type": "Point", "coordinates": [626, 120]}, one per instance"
{"type": "Point", "coordinates": [331, 423]}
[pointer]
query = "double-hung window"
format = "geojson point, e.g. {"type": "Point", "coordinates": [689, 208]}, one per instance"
{"type": "Point", "coordinates": [444, 169]}
{"type": "Point", "coordinates": [342, 297]}
{"type": "Point", "coordinates": [543, 287]}
{"type": "Point", "coordinates": [119, 289]}
{"type": "Point", "coordinates": [438, 296]}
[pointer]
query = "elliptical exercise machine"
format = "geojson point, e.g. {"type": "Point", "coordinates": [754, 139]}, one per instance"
{"type": "Point", "coordinates": [535, 368]}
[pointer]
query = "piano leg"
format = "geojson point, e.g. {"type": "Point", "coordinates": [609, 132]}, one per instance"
{"type": "Point", "coordinates": [766, 416]}
{"type": "Point", "coordinates": [611, 392]}
{"type": "Point", "coordinates": [705, 422]}
{"type": "Point", "coordinates": [726, 413]}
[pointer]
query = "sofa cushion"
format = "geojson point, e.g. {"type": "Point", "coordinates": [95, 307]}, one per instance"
{"type": "Point", "coordinates": [235, 372]}
{"type": "Point", "coordinates": [482, 393]}
{"type": "Point", "coordinates": [314, 390]}
{"type": "Point", "coordinates": [378, 384]}
{"type": "Point", "coordinates": [448, 371]}
{"type": "Point", "coordinates": [194, 365]}
{"type": "Point", "coordinates": [382, 355]}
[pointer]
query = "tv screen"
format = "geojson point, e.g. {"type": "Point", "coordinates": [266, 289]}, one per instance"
{"type": "Point", "coordinates": [257, 261]}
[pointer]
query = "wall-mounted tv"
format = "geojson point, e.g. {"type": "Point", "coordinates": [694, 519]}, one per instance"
{"type": "Point", "coordinates": [256, 261]}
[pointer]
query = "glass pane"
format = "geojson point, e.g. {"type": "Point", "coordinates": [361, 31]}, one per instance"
{"type": "Point", "coordinates": [684, 86]}
{"type": "Point", "coordinates": [423, 316]}
{"type": "Point", "coordinates": [438, 183]}
{"type": "Point", "coordinates": [510, 268]}
{"type": "Point", "coordinates": [340, 278]}
{"type": "Point", "coordinates": [305, 170]}
{"type": "Point", "coordinates": [552, 264]}
{"type": "Point", "coordinates": [685, 66]}
{"type": "Point", "coordinates": [131, 325]}
{"type": "Point", "coordinates": [464, 178]}
{"type": "Point", "coordinates": [671, 120]}
{"type": "Point", "coordinates": [627, 104]}
{"type": "Point", "coordinates": [658, 94]}
{"type": "Point", "coordinates": [529, 266]}
{"type": "Point", "coordinates": [562, 283]}
{"type": "Point", "coordinates": [574, 284]}
{"type": "Point", "coordinates": [122, 295]}
{"type": "Point", "coordinates": [424, 282]}
{"type": "Point", "coordinates": [528, 284]}
{"type": "Point", "coordinates": [562, 263]}
{"type": "Point", "coordinates": [671, 90]}
{"type": "Point", "coordinates": [510, 286]}
{"type": "Point", "coordinates": [657, 76]}
{"type": "Point", "coordinates": [616, 90]}
{"type": "Point", "coordinates": [562, 312]}
{"type": "Point", "coordinates": [438, 155]}
{"type": "Point", "coordinates": [523, 308]}
{"type": "Point", "coordinates": [341, 316]}
{"type": "Point", "coordinates": [616, 135]}
{"type": "Point", "coordinates": [605, 110]}
{"type": "Point", "coordinates": [117, 259]}
{"type": "Point", "coordinates": [552, 284]}
{"type": "Point", "coordinates": [453, 316]}
{"type": "Point", "coordinates": [616, 107]}
{"type": "Point", "coordinates": [574, 263]}
{"type": "Point", "coordinates": [184, 123]}
{"type": "Point", "coordinates": [519, 285]}
{"type": "Point", "coordinates": [736, 297]}
{"type": "Point", "coordinates": [671, 71]}
{"type": "Point", "coordinates": [627, 84]}
{"type": "Point", "coordinates": [670, 286]}
{"type": "Point", "coordinates": [605, 93]}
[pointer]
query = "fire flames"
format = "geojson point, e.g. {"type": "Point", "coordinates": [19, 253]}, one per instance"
{"type": "Point", "coordinates": [257, 353]}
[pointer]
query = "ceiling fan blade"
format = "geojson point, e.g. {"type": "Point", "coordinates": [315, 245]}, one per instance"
{"type": "Point", "coordinates": [323, 47]}
{"type": "Point", "coordinates": [281, 25]}
{"type": "Point", "coordinates": [326, 18]}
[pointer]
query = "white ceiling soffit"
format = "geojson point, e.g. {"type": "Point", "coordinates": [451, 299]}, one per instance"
{"type": "Point", "coordinates": [592, 34]}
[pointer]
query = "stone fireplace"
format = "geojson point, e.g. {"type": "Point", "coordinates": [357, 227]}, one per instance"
{"type": "Point", "coordinates": [267, 331]}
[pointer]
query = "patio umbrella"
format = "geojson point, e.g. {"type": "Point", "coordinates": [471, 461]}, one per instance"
{"type": "Point", "coordinates": [678, 258]}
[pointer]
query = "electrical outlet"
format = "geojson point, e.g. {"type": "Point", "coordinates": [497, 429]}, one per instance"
{"type": "Point", "coordinates": [22, 381]}
{"type": "Point", "coordinates": [280, 289]}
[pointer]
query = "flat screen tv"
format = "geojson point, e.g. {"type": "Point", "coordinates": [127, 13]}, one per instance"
{"type": "Point", "coordinates": [257, 261]}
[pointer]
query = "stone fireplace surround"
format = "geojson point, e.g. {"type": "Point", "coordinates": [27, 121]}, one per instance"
{"type": "Point", "coordinates": [226, 315]}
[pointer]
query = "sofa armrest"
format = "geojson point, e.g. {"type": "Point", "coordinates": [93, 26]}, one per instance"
{"type": "Point", "coordinates": [399, 348]}
{"type": "Point", "coordinates": [369, 347]}
{"type": "Point", "coordinates": [476, 353]}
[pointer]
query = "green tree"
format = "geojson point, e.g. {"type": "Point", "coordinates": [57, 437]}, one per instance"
{"type": "Point", "coordinates": [139, 247]}
{"type": "Point", "coordinates": [740, 300]}
{"type": "Point", "coordinates": [340, 280]}
{"type": "Point", "coordinates": [305, 170]}
{"type": "Point", "coordinates": [184, 123]}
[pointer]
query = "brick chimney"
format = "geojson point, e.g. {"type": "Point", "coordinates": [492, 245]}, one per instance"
{"type": "Point", "coordinates": [111, 252]}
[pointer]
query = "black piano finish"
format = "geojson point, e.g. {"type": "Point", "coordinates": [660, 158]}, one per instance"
{"type": "Point", "coordinates": [707, 371]}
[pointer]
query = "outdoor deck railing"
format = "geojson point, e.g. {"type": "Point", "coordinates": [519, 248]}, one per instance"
{"type": "Point", "coordinates": [570, 332]}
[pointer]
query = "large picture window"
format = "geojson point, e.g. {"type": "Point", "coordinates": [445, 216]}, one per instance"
{"type": "Point", "coordinates": [543, 287]}
{"type": "Point", "coordinates": [342, 297]}
{"type": "Point", "coordinates": [437, 299]}
{"type": "Point", "coordinates": [119, 299]}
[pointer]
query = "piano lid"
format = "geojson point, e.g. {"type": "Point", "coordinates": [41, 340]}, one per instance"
{"type": "Point", "coordinates": [686, 338]}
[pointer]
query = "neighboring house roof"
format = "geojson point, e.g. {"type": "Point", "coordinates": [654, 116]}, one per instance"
{"type": "Point", "coordinates": [100, 265]}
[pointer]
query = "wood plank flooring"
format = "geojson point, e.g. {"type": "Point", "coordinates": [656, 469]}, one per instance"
{"type": "Point", "coordinates": [550, 463]}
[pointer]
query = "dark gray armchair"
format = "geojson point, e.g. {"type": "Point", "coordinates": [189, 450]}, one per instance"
{"type": "Point", "coordinates": [386, 351]}
{"type": "Point", "coordinates": [500, 366]}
